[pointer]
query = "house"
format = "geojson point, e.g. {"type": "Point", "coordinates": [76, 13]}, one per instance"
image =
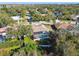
{"type": "Point", "coordinates": [39, 31]}
{"type": "Point", "coordinates": [58, 21]}
{"type": "Point", "coordinates": [16, 18]}
{"type": "Point", "coordinates": [43, 14]}
{"type": "Point", "coordinates": [27, 12]}
{"type": "Point", "coordinates": [57, 13]}
{"type": "Point", "coordinates": [75, 18]}
{"type": "Point", "coordinates": [75, 30]}
{"type": "Point", "coordinates": [66, 26]}
{"type": "Point", "coordinates": [46, 9]}
{"type": "Point", "coordinates": [2, 33]}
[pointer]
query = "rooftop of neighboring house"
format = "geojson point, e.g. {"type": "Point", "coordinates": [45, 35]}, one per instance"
{"type": "Point", "coordinates": [28, 17]}
{"type": "Point", "coordinates": [58, 21]}
{"type": "Point", "coordinates": [2, 30]}
{"type": "Point", "coordinates": [15, 17]}
{"type": "Point", "coordinates": [75, 17]}
{"type": "Point", "coordinates": [43, 14]}
{"type": "Point", "coordinates": [66, 26]}
{"type": "Point", "coordinates": [27, 11]}
{"type": "Point", "coordinates": [38, 27]}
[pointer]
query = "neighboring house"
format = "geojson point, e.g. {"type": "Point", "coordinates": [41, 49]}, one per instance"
{"type": "Point", "coordinates": [75, 18]}
{"type": "Point", "coordinates": [28, 16]}
{"type": "Point", "coordinates": [29, 19]}
{"type": "Point", "coordinates": [75, 30]}
{"type": "Point", "coordinates": [47, 23]}
{"type": "Point", "coordinates": [66, 26]}
{"type": "Point", "coordinates": [57, 13]}
{"type": "Point", "coordinates": [43, 14]}
{"type": "Point", "coordinates": [2, 33]}
{"type": "Point", "coordinates": [27, 12]}
{"type": "Point", "coordinates": [39, 31]}
{"type": "Point", "coordinates": [16, 18]}
{"type": "Point", "coordinates": [46, 9]}
{"type": "Point", "coordinates": [73, 22]}
{"type": "Point", "coordinates": [58, 21]}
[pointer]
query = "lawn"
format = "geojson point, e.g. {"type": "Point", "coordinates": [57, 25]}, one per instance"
{"type": "Point", "coordinates": [6, 47]}
{"type": "Point", "coordinates": [10, 44]}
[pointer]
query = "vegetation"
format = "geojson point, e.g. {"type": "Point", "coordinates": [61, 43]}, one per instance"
{"type": "Point", "coordinates": [5, 20]}
{"type": "Point", "coordinates": [19, 40]}
{"type": "Point", "coordinates": [64, 43]}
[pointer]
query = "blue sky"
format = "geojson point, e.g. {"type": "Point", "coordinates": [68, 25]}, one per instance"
{"type": "Point", "coordinates": [39, 2]}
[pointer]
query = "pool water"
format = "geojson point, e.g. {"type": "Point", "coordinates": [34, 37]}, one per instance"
{"type": "Point", "coordinates": [43, 35]}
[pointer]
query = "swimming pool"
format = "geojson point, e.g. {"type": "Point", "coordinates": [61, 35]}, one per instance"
{"type": "Point", "coordinates": [42, 35]}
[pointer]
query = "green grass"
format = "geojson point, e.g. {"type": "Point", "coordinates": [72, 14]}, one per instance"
{"type": "Point", "coordinates": [11, 48]}
{"type": "Point", "coordinates": [13, 44]}
{"type": "Point", "coordinates": [28, 40]}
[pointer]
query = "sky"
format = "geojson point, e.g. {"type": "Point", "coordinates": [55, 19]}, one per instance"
{"type": "Point", "coordinates": [39, 2]}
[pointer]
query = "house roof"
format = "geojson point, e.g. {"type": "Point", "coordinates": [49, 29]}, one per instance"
{"type": "Point", "coordinates": [74, 17]}
{"type": "Point", "coordinates": [2, 29]}
{"type": "Point", "coordinates": [39, 28]}
{"type": "Point", "coordinates": [43, 14]}
{"type": "Point", "coordinates": [66, 26]}
{"type": "Point", "coordinates": [15, 17]}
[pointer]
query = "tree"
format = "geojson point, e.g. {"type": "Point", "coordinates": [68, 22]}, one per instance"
{"type": "Point", "coordinates": [20, 52]}
{"type": "Point", "coordinates": [23, 13]}
{"type": "Point", "coordinates": [5, 20]}
{"type": "Point", "coordinates": [20, 30]}
{"type": "Point", "coordinates": [64, 43]}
